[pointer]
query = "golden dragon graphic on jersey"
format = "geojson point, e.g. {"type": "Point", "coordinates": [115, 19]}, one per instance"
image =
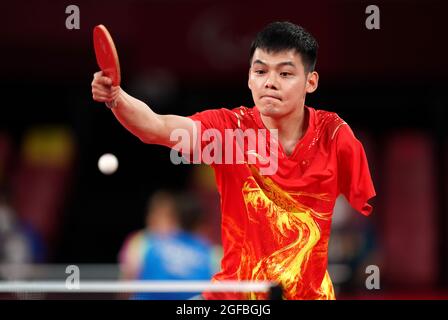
{"type": "Point", "coordinates": [287, 219]}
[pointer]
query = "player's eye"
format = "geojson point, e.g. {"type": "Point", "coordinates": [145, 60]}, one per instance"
{"type": "Point", "coordinates": [285, 74]}
{"type": "Point", "coordinates": [260, 72]}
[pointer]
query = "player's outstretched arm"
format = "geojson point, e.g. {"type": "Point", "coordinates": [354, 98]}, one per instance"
{"type": "Point", "coordinates": [138, 118]}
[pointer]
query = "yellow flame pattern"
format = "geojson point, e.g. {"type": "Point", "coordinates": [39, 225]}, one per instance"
{"type": "Point", "coordinates": [286, 217]}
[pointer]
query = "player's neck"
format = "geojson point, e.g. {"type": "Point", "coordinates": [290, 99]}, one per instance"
{"type": "Point", "coordinates": [290, 128]}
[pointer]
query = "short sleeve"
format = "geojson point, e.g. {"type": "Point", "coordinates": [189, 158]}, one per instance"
{"type": "Point", "coordinates": [354, 180]}
{"type": "Point", "coordinates": [211, 119]}
{"type": "Point", "coordinates": [211, 125]}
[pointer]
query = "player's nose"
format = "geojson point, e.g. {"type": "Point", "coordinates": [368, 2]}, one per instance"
{"type": "Point", "coordinates": [270, 83]}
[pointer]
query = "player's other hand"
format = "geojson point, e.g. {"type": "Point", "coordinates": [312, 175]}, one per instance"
{"type": "Point", "coordinates": [102, 89]}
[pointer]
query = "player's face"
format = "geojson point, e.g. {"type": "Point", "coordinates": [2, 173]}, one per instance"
{"type": "Point", "coordinates": [279, 83]}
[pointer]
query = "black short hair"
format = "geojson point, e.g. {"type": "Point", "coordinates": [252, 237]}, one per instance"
{"type": "Point", "coordinates": [186, 209]}
{"type": "Point", "coordinates": [280, 36]}
{"type": "Point", "coordinates": [189, 211]}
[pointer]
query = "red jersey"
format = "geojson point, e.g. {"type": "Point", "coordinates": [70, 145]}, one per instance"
{"type": "Point", "coordinates": [277, 227]}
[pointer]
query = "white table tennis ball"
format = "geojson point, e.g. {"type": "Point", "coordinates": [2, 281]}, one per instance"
{"type": "Point", "coordinates": [108, 163]}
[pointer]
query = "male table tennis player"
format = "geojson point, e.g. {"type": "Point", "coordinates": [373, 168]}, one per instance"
{"type": "Point", "coordinates": [275, 227]}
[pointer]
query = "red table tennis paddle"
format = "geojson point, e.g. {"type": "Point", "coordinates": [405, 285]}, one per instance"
{"type": "Point", "coordinates": [106, 55]}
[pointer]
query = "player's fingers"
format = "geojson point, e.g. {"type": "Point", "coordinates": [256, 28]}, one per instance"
{"type": "Point", "coordinates": [97, 96]}
{"type": "Point", "coordinates": [105, 80]}
{"type": "Point", "coordinates": [111, 92]}
{"type": "Point", "coordinates": [98, 74]}
{"type": "Point", "coordinates": [101, 87]}
{"type": "Point", "coordinates": [96, 81]}
{"type": "Point", "coordinates": [102, 94]}
{"type": "Point", "coordinates": [99, 79]}
{"type": "Point", "coordinates": [98, 91]}
{"type": "Point", "coordinates": [101, 99]}
{"type": "Point", "coordinates": [115, 90]}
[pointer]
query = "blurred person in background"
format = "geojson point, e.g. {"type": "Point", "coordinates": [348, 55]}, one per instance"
{"type": "Point", "coordinates": [170, 247]}
{"type": "Point", "coordinates": [19, 244]}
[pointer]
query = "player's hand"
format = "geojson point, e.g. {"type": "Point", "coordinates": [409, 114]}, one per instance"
{"type": "Point", "coordinates": [102, 89]}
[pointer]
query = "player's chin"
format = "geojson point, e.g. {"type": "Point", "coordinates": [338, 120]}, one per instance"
{"type": "Point", "coordinates": [269, 109]}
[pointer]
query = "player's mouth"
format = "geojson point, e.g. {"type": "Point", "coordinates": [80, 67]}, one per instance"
{"type": "Point", "coordinates": [268, 96]}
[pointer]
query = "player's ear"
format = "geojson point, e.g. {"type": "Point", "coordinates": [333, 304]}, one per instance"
{"type": "Point", "coordinates": [312, 81]}
{"type": "Point", "coordinates": [248, 80]}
